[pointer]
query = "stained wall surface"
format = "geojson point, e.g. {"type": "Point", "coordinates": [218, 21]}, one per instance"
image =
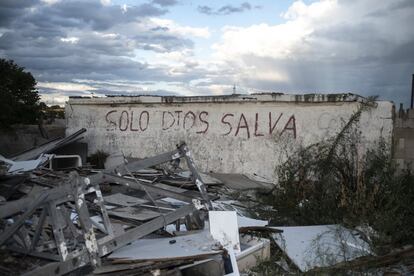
{"type": "Point", "coordinates": [248, 134]}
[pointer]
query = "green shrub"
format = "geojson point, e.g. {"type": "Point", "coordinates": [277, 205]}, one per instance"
{"type": "Point", "coordinates": [97, 159]}
{"type": "Point", "coordinates": [336, 181]}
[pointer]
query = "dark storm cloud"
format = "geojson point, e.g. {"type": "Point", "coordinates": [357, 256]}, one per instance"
{"type": "Point", "coordinates": [157, 92]}
{"type": "Point", "coordinates": [366, 55]}
{"type": "Point", "coordinates": [89, 13]}
{"type": "Point", "coordinates": [159, 28]}
{"type": "Point", "coordinates": [162, 42]}
{"type": "Point", "coordinates": [85, 40]}
{"type": "Point", "coordinates": [13, 9]}
{"type": "Point", "coordinates": [227, 9]}
{"type": "Point", "coordinates": [393, 6]}
{"type": "Point", "coordinates": [205, 9]}
{"type": "Point", "coordinates": [165, 3]}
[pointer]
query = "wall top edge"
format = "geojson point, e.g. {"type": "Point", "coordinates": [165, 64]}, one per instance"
{"type": "Point", "coordinates": [258, 97]}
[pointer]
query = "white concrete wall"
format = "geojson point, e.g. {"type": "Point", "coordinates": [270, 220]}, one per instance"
{"type": "Point", "coordinates": [231, 135]}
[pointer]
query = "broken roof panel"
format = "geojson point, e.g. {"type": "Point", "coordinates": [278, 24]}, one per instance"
{"type": "Point", "coordinates": [320, 245]}
{"type": "Point", "coordinates": [199, 244]}
{"type": "Point", "coordinates": [48, 146]}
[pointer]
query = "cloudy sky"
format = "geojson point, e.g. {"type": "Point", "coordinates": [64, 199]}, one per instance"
{"type": "Point", "coordinates": [188, 47]}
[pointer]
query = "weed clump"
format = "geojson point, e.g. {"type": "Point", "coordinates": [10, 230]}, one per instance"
{"type": "Point", "coordinates": [97, 159]}
{"type": "Point", "coordinates": [337, 181]}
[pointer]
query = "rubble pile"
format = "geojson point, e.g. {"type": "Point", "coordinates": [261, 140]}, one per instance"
{"type": "Point", "coordinates": [136, 217]}
{"type": "Point", "coordinates": [153, 216]}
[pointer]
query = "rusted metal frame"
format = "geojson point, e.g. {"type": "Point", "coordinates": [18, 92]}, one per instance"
{"type": "Point", "coordinates": [91, 243]}
{"type": "Point", "coordinates": [65, 194]}
{"type": "Point", "coordinates": [18, 239]}
{"type": "Point", "coordinates": [22, 234]}
{"type": "Point", "coordinates": [91, 185]}
{"type": "Point", "coordinates": [66, 216]}
{"type": "Point", "coordinates": [63, 267]}
{"type": "Point", "coordinates": [39, 229]}
{"type": "Point", "coordinates": [62, 193]}
{"type": "Point", "coordinates": [108, 244]}
{"type": "Point", "coordinates": [54, 208]}
{"type": "Point", "coordinates": [48, 146]}
{"type": "Point", "coordinates": [13, 207]}
{"type": "Point", "coordinates": [43, 255]}
{"type": "Point", "coordinates": [131, 183]}
{"type": "Point", "coordinates": [195, 176]}
{"type": "Point", "coordinates": [57, 231]}
{"type": "Point", "coordinates": [104, 212]}
{"type": "Point", "coordinates": [8, 232]}
{"type": "Point", "coordinates": [146, 163]}
{"type": "Point", "coordinates": [46, 245]}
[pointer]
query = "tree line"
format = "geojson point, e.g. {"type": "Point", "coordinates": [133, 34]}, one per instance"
{"type": "Point", "coordinates": [19, 98]}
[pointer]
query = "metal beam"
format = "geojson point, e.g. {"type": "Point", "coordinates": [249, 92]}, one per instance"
{"type": "Point", "coordinates": [131, 183]}
{"type": "Point", "coordinates": [15, 226]}
{"type": "Point", "coordinates": [146, 163]}
{"type": "Point", "coordinates": [195, 176]}
{"type": "Point", "coordinates": [140, 231]}
{"type": "Point", "coordinates": [109, 244]}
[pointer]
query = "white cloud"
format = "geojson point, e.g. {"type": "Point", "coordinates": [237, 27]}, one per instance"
{"type": "Point", "coordinates": [178, 29]}
{"type": "Point", "coordinates": [261, 40]}
{"type": "Point", "coordinates": [50, 2]}
{"type": "Point", "coordinates": [317, 10]}
{"type": "Point", "coordinates": [66, 86]}
{"type": "Point", "coordinates": [364, 46]}
{"type": "Point", "coordinates": [106, 2]}
{"type": "Point", "coordinates": [72, 40]}
{"type": "Point", "coordinates": [328, 45]}
{"type": "Point", "coordinates": [54, 99]}
{"type": "Point", "coordinates": [124, 8]}
{"type": "Point", "coordinates": [276, 41]}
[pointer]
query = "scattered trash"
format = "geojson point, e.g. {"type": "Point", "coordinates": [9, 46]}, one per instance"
{"type": "Point", "coordinates": [157, 215]}
{"type": "Point", "coordinates": [66, 215]}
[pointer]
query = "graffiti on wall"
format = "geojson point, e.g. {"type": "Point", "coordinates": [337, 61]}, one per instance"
{"type": "Point", "coordinates": [259, 124]}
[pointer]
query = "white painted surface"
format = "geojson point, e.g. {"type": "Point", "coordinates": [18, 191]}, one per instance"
{"type": "Point", "coordinates": [231, 134]}
{"type": "Point", "coordinates": [161, 249]}
{"type": "Point", "coordinates": [320, 245]}
{"type": "Point", "coordinates": [254, 250]}
{"type": "Point", "coordinates": [224, 228]}
{"type": "Point", "coordinates": [250, 222]}
{"type": "Point", "coordinates": [17, 167]}
{"type": "Point", "coordinates": [233, 260]}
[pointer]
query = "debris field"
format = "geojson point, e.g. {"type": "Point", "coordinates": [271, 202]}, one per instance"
{"type": "Point", "coordinates": [153, 216]}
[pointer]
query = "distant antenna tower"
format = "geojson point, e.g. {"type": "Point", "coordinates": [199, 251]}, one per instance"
{"type": "Point", "coordinates": [234, 89]}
